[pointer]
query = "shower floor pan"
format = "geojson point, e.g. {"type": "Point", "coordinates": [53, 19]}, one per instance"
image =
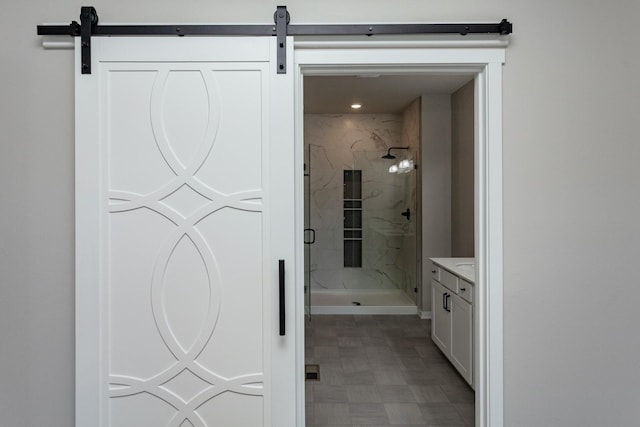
{"type": "Point", "coordinates": [362, 301]}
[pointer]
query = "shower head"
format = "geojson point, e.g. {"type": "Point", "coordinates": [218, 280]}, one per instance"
{"type": "Point", "coordinates": [391, 156]}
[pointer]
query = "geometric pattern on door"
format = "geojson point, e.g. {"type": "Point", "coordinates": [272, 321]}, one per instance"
{"type": "Point", "coordinates": [184, 200]}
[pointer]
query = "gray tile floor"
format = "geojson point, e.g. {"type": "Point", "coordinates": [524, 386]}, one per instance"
{"type": "Point", "coordinates": [379, 371]}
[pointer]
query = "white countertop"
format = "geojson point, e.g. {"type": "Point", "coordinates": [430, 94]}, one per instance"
{"type": "Point", "coordinates": [463, 267]}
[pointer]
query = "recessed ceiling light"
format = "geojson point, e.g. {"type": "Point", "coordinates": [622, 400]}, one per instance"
{"type": "Point", "coordinates": [356, 106]}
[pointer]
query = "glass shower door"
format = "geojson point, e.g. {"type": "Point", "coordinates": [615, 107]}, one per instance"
{"type": "Point", "coordinates": [389, 222]}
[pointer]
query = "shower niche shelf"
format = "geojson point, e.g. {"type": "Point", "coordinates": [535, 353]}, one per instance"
{"type": "Point", "coordinates": [352, 225]}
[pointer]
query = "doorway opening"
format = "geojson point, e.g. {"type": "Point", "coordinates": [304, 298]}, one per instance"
{"type": "Point", "coordinates": [363, 189]}
{"type": "Point", "coordinates": [404, 58]}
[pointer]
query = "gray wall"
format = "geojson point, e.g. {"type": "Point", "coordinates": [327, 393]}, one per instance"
{"type": "Point", "coordinates": [436, 186]}
{"type": "Point", "coordinates": [462, 171]}
{"type": "Point", "coordinates": [571, 205]}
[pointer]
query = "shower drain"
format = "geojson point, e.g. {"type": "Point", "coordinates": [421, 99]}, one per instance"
{"type": "Point", "coordinates": [312, 372]}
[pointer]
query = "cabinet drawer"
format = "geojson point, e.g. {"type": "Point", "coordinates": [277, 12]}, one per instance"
{"type": "Point", "coordinates": [466, 290]}
{"type": "Point", "coordinates": [449, 280]}
{"type": "Point", "coordinates": [435, 272]}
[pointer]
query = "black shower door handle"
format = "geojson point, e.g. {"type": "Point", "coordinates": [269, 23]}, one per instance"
{"type": "Point", "coordinates": [313, 238]}
{"type": "Point", "coordinates": [281, 286]}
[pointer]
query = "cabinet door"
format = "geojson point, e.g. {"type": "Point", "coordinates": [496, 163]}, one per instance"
{"type": "Point", "coordinates": [441, 322]}
{"type": "Point", "coordinates": [461, 336]}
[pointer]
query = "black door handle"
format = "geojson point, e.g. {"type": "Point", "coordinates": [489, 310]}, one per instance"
{"type": "Point", "coordinates": [281, 285]}
{"type": "Point", "coordinates": [407, 214]}
{"type": "Point", "coordinates": [444, 301]}
{"type": "Point", "coordinates": [447, 303]}
{"type": "Point", "coordinates": [313, 234]}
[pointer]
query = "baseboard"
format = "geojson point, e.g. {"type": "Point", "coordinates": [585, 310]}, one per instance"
{"type": "Point", "coordinates": [425, 314]}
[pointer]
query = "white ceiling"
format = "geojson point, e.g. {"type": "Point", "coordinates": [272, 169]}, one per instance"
{"type": "Point", "coordinates": [382, 94]}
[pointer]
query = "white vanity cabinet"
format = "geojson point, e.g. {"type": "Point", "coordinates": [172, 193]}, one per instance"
{"type": "Point", "coordinates": [452, 311]}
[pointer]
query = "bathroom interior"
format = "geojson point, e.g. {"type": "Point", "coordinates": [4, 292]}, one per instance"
{"type": "Point", "coordinates": [389, 186]}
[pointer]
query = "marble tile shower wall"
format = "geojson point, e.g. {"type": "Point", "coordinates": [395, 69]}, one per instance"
{"type": "Point", "coordinates": [339, 142]}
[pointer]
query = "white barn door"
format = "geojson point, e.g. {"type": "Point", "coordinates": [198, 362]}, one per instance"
{"type": "Point", "coordinates": [185, 206]}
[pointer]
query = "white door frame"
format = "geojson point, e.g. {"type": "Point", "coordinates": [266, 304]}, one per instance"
{"type": "Point", "coordinates": [483, 59]}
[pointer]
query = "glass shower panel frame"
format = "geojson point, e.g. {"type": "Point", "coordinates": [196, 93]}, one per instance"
{"type": "Point", "coordinates": [389, 237]}
{"type": "Point", "coordinates": [307, 231]}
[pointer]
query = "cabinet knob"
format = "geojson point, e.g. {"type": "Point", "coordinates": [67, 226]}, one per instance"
{"type": "Point", "coordinates": [433, 271]}
{"type": "Point", "coordinates": [463, 289]}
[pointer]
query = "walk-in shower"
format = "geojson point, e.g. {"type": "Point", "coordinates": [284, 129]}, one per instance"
{"type": "Point", "coordinates": [360, 221]}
